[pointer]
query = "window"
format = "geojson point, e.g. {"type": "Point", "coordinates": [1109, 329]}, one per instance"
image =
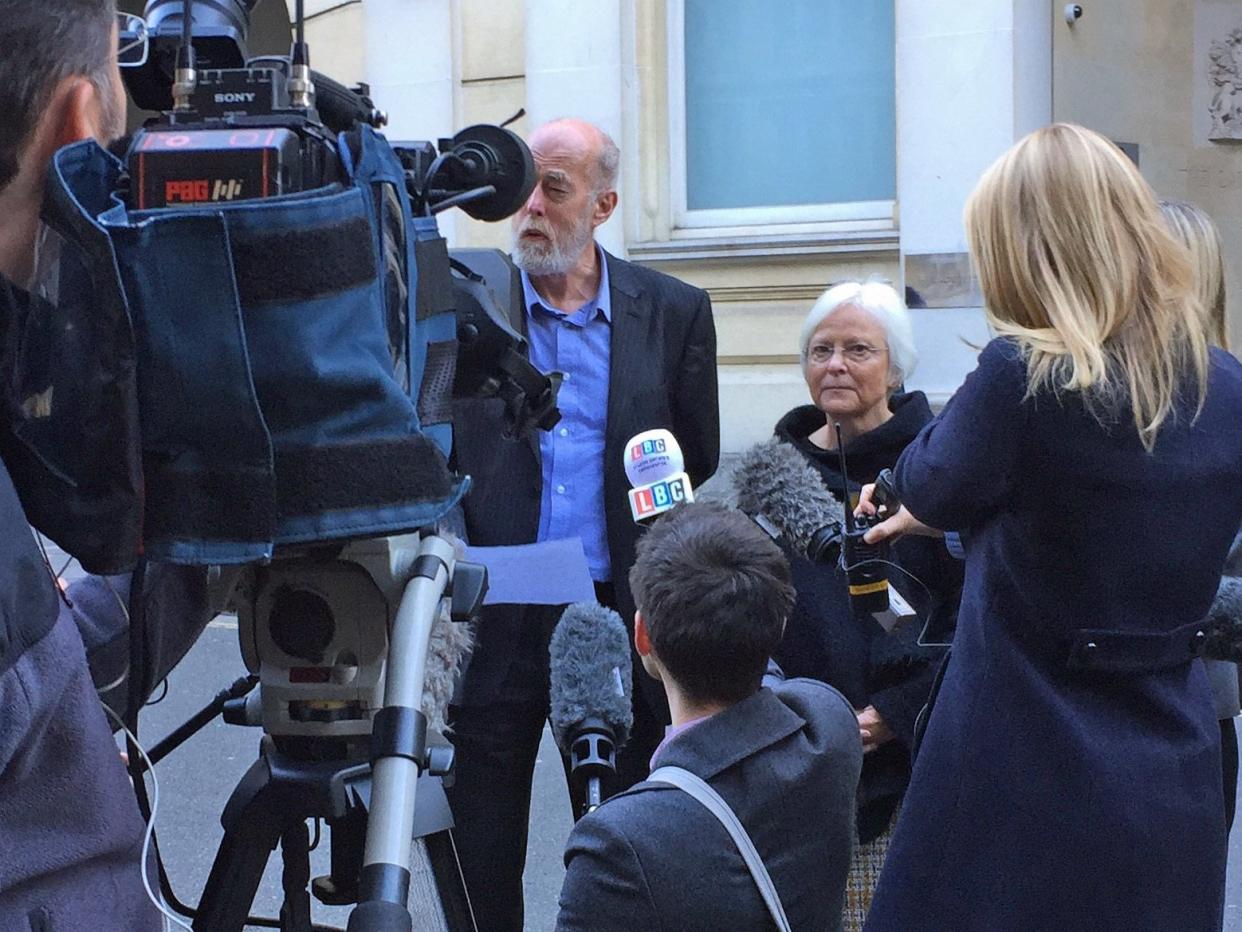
{"type": "Point", "coordinates": [782, 113]}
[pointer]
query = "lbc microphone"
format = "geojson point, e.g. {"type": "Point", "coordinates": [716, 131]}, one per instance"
{"type": "Point", "coordinates": [590, 708]}
{"type": "Point", "coordinates": [656, 470]}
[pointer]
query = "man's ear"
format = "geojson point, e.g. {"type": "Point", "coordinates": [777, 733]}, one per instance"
{"type": "Point", "coordinates": [605, 204]}
{"type": "Point", "coordinates": [642, 638]}
{"type": "Point", "coordinates": [76, 110]}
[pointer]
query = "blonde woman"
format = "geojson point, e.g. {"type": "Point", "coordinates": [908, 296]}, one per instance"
{"type": "Point", "coordinates": [1070, 773]}
{"type": "Point", "coordinates": [1196, 230]}
{"type": "Point", "coordinates": [1198, 233]}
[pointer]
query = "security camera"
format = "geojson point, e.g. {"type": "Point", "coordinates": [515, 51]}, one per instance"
{"type": "Point", "coordinates": [1073, 12]}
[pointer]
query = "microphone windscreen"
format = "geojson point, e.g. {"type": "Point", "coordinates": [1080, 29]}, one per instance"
{"type": "Point", "coordinates": [450, 642]}
{"type": "Point", "coordinates": [448, 645]}
{"type": "Point", "coordinates": [651, 456]}
{"type": "Point", "coordinates": [590, 673]}
{"type": "Point", "coordinates": [773, 479]}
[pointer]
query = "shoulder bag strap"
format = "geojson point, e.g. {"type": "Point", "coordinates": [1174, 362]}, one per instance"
{"type": "Point", "coordinates": [698, 788]}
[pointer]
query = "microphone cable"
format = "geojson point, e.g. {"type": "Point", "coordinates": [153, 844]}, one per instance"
{"type": "Point", "coordinates": [149, 831]}
{"type": "Point", "coordinates": [147, 807]}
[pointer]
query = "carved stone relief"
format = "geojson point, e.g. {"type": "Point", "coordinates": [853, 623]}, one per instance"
{"type": "Point", "coordinates": [1218, 70]}
{"type": "Point", "coordinates": [1225, 74]}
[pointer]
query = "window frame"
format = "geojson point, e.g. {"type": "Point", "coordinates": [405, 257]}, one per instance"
{"type": "Point", "coordinates": [826, 218]}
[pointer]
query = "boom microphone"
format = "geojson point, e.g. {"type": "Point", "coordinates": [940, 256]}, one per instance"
{"type": "Point", "coordinates": [783, 493]}
{"type": "Point", "coordinates": [591, 709]}
{"type": "Point", "coordinates": [774, 482]}
{"type": "Point", "coordinates": [448, 646]}
{"type": "Point", "coordinates": [656, 469]}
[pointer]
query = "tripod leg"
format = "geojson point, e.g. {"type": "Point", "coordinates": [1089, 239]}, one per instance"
{"type": "Point", "coordinates": [295, 915]}
{"type": "Point", "coordinates": [454, 901]}
{"type": "Point", "coordinates": [251, 831]}
{"type": "Point", "coordinates": [234, 879]}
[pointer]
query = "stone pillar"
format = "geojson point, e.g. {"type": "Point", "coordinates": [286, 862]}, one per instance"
{"type": "Point", "coordinates": [409, 65]}
{"type": "Point", "coordinates": [973, 76]}
{"type": "Point", "coordinates": [573, 69]}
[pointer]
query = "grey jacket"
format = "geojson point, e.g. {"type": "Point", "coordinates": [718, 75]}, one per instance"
{"type": "Point", "coordinates": [70, 832]}
{"type": "Point", "coordinates": [1226, 678]}
{"type": "Point", "coordinates": [786, 760]}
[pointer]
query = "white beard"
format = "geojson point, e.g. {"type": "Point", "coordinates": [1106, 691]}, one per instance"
{"type": "Point", "coordinates": [557, 254]}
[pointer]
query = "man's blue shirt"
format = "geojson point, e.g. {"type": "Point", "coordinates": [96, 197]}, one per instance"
{"type": "Point", "coordinates": [576, 343]}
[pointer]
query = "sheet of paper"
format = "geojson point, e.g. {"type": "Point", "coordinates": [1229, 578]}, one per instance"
{"type": "Point", "coordinates": [550, 573]}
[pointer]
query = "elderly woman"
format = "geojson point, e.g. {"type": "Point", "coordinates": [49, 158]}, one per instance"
{"type": "Point", "coordinates": [857, 349]}
{"type": "Point", "coordinates": [1069, 777]}
{"type": "Point", "coordinates": [1198, 233]}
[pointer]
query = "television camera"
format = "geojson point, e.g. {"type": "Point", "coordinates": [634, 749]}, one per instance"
{"type": "Point", "coordinates": [335, 639]}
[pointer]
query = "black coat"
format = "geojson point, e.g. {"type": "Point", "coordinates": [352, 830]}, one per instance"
{"type": "Point", "coordinates": [786, 761]}
{"type": "Point", "coordinates": [662, 373]}
{"type": "Point", "coordinates": [1070, 776]}
{"type": "Point", "coordinates": [824, 639]}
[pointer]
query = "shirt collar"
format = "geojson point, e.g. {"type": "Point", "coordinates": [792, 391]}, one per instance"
{"type": "Point", "coordinates": [602, 300]}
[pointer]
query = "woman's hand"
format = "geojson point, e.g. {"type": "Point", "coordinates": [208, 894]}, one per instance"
{"type": "Point", "coordinates": [872, 729]}
{"type": "Point", "coordinates": [903, 522]}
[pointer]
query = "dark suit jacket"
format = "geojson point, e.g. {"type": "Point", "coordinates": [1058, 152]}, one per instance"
{"type": "Point", "coordinates": [786, 760]}
{"type": "Point", "coordinates": [662, 374]}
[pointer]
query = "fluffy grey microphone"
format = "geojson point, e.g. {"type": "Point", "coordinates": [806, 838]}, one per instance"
{"type": "Point", "coordinates": [447, 647]}
{"type": "Point", "coordinates": [1224, 622]}
{"type": "Point", "coordinates": [450, 642]}
{"type": "Point", "coordinates": [774, 480]}
{"type": "Point", "coordinates": [590, 674]}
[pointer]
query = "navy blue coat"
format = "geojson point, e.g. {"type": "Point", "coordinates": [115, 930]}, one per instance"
{"type": "Point", "coordinates": [786, 760]}
{"type": "Point", "coordinates": [1051, 793]}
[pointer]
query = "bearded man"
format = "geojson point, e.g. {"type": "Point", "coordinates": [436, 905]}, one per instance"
{"type": "Point", "coordinates": [638, 350]}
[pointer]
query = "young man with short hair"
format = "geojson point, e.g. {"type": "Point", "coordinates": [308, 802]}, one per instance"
{"type": "Point", "coordinates": [713, 592]}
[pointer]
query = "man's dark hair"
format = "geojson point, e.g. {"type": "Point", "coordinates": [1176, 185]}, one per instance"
{"type": "Point", "coordinates": [42, 42]}
{"type": "Point", "coordinates": [714, 591]}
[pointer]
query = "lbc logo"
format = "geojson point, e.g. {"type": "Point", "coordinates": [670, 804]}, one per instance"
{"type": "Point", "coordinates": [660, 496]}
{"type": "Point", "coordinates": [647, 448]}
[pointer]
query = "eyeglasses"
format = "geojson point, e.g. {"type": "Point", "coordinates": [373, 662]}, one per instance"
{"type": "Point", "coordinates": [821, 353]}
{"type": "Point", "coordinates": [132, 45]}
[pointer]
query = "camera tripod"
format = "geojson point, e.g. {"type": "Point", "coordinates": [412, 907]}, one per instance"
{"type": "Point", "coordinates": [273, 802]}
{"type": "Point", "coordinates": [314, 632]}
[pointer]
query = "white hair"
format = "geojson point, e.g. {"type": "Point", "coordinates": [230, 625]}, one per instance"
{"type": "Point", "coordinates": [881, 302]}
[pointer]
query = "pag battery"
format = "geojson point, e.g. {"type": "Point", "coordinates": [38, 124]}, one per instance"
{"type": "Point", "coordinates": [176, 166]}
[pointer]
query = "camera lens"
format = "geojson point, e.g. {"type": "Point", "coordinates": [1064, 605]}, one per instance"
{"type": "Point", "coordinates": [301, 623]}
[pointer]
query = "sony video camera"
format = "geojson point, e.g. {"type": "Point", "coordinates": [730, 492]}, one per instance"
{"type": "Point", "coordinates": [283, 327]}
{"type": "Point", "coordinates": [236, 129]}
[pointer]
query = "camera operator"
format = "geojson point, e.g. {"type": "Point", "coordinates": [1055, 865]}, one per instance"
{"type": "Point", "coordinates": [70, 831]}
{"type": "Point", "coordinates": [713, 593]}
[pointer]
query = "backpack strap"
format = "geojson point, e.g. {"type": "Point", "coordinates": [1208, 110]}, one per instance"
{"type": "Point", "coordinates": [711, 800]}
